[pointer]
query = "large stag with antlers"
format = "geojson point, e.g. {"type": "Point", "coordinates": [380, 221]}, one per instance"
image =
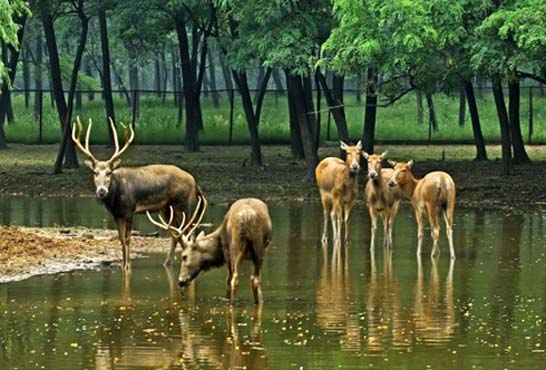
{"type": "Point", "coordinates": [337, 181]}
{"type": "Point", "coordinates": [129, 190]}
{"type": "Point", "coordinates": [245, 233]}
{"type": "Point", "coordinates": [432, 194]}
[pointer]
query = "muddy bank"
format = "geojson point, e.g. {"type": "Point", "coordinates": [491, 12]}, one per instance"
{"type": "Point", "coordinates": [225, 173]}
{"type": "Point", "coordinates": [26, 252]}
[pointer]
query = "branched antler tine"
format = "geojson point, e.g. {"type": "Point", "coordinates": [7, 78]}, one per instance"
{"type": "Point", "coordinates": [88, 135]}
{"type": "Point", "coordinates": [181, 226]}
{"type": "Point", "coordinates": [199, 200]}
{"type": "Point", "coordinates": [77, 140]}
{"type": "Point", "coordinates": [115, 134]}
{"type": "Point", "coordinates": [128, 141]}
{"type": "Point", "coordinates": [200, 216]}
{"type": "Point", "coordinates": [158, 224]}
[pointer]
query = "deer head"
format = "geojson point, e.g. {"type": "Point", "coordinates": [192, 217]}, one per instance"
{"type": "Point", "coordinates": [402, 173]}
{"type": "Point", "coordinates": [352, 158]}
{"type": "Point", "coordinates": [102, 170]}
{"type": "Point", "coordinates": [374, 163]}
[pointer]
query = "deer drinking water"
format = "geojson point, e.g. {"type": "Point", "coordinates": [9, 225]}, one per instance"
{"type": "Point", "coordinates": [433, 194]}
{"type": "Point", "coordinates": [129, 190]}
{"type": "Point", "coordinates": [244, 233]}
{"type": "Point", "coordinates": [382, 199]}
{"type": "Point", "coordinates": [337, 181]}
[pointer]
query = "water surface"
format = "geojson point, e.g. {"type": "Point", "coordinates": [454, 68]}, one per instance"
{"type": "Point", "coordinates": [322, 310]}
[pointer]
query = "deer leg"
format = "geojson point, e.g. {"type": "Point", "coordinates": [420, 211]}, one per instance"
{"type": "Point", "coordinates": [434, 231]}
{"type": "Point", "coordinates": [228, 281]}
{"type": "Point", "coordinates": [120, 223]}
{"type": "Point", "coordinates": [419, 219]}
{"type": "Point", "coordinates": [235, 262]}
{"type": "Point", "coordinates": [337, 222]}
{"type": "Point", "coordinates": [449, 231]}
{"type": "Point", "coordinates": [128, 231]}
{"type": "Point", "coordinates": [373, 218]}
{"type": "Point", "coordinates": [333, 219]}
{"type": "Point", "coordinates": [392, 215]}
{"type": "Point", "coordinates": [326, 206]}
{"type": "Point", "coordinates": [346, 220]}
{"type": "Point", "coordinates": [385, 219]}
{"type": "Point", "coordinates": [256, 283]}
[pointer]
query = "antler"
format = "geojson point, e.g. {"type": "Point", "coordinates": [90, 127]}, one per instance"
{"type": "Point", "coordinates": [85, 150]}
{"type": "Point", "coordinates": [128, 139]}
{"type": "Point", "coordinates": [174, 231]}
{"type": "Point", "coordinates": [204, 201]}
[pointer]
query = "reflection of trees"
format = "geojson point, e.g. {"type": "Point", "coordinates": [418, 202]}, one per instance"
{"type": "Point", "coordinates": [434, 315]}
{"type": "Point", "coordinates": [506, 280]}
{"type": "Point", "coordinates": [336, 309]}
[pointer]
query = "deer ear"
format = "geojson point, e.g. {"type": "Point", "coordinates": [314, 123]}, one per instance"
{"type": "Point", "coordinates": [365, 155]}
{"type": "Point", "coordinates": [184, 239]}
{"type": "Point", "coordinates": [342, 145]}
{"type": "Point", "coordinates": [359, 145]}
{"type": "Point", "coordinates": [89, 163]}
{"type": "Point", "coordinates": [391, 162]}
{"type": "Point", "coordinates": [384, 154]}
{"type": "Point", "coordinates": [116, 164]}
{"type": "Point", "coordinates": [410, 164]}
{"type": "Point", "coordinates": [201, 235]}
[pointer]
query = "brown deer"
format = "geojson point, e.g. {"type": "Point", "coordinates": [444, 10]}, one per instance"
{"type": "Point", "coordinates": [245, 233]}
{"type": "Point", "coordinates": [382, 199]}
{"type": "Point", "coordinates": [337, 181]}
{"type": "Point", "coordinates": [433, 194]}
{"type": "Point", "coordinates": [129, 190]}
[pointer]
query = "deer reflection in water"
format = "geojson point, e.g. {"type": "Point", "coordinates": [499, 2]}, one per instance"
{"type": "Point", "coordinates": [198, 343]}
{"type": "Point", "coordinates": [337, 302]}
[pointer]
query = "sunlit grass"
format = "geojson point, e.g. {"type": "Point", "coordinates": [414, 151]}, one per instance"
{"type": "Point", "coordinates": [157, 123]}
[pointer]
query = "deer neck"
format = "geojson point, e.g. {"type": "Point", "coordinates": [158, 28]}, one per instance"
{"type": "Point", "coordinates": [379, 182]}
{"type": "Point", "coordinates": [408, 188]}
{"type": "Point", "coordinates": [211, 251]}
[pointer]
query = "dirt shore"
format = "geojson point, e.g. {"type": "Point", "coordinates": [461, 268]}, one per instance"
{"type": "Point", "coordinates": [26, 252]}
{"type": "Point", "coordinates": [225, 173]}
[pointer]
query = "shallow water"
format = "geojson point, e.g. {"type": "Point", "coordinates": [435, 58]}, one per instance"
{"type": "Point", "coordinates": [322, 309]}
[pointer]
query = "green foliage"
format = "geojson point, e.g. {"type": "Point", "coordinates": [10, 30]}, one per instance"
{"type": "Point", "coordinates": [8, 27]}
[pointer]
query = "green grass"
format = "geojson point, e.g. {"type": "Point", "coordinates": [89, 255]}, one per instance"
{"type": "Point", "coordinates": [157, 121]}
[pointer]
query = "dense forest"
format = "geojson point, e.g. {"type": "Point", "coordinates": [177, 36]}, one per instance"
{"type": "Point", "coordinates": [309, 50]}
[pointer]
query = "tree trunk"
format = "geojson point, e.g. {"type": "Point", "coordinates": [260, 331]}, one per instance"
{"type": "Point", "coordinates": [296, 143]}
{"type": "Point", "coordinates": [420, 114]}
{"type": "Point", "coordinates": [462, 105]}
{"type": "Point", "coordinates": [259, 79]}
{"type": "Point", "coordinates": [66, 141]}
{"type": "Point", "coordinates": [26, 76]}
{"type": "Point", "coordinates": [336, 108]}
{"type": "Point", "coordinates": [504, 124]}
{"type": "Point", "coordinates": [9, 108]}
{"type": "Point", "coordinates": [124, 91]}
{"type": "Point", "coordinates": [212, 80]}
{"type": "Point", "coordinates": [520, 155]}
{"type": "Point", "coordinates": [174, 68]}
{"type": "Point", "coordinates": [89, 72]}
{"type": "Point", "coordinates": [106, 77]}
{"type": "Point", "coordinates": [157, 77]}
{"type": "Point", "coordinates": [38, 76]}
{"type": "Point", "coordinates": [251, 119]}
{"type": "Point", "coordinates": [370, 114]}
{"type": "Point", "coordinates": [12, 67]}
{"type": "Point", "coordinates": [278, 82]}
{"type": "Point", "coordinates": [432, 120]}
{"type": "Point", "coordinates": [134, 87]}
{"type": "Point", "coordinates": [193, 108]}
{"type": "Point", "coordinates": [481, 154]}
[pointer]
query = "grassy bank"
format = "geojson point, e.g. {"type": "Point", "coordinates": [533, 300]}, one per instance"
{"type": "Point", "coordinates": [397, 123]}
{"type": "Point", "coordinates": [225, 174]}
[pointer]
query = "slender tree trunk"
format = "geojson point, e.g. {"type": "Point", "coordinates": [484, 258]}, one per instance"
{"type": "Point", "coordinates": [296, 143]}
{"type": "Point", "coordinates": [251, 119]}
{"type": "Point", "coordinates": [12, 66]}
{"type": "Point", "coordinates": [420, 114]}
{"type": "Point", "coordinates": [157, 77]}
{"type": "Point", "coordinates": [134, 87]}
{"type": "Point", "coordinates": [212, 80]}
{"type": "Point", "coordinates": [106, 76]}
{"type": "Point", "coordinates": [5, 58]}
{"type": "Point", "coordinates": [520, 155]}
{"type": "Point", "coordinates": [66, 141]}
{"type": "Point", "coordinates": [278, 82]}
{"type": "Point", "coordinates": [124, 91]}
{"type": "Point", "coordinates": [174, 68]}
{"type": "Point", "coordinates": [504, 124]}
{"type": "Point", "coordinates": [38, 76]}
{"type": "Point", "coordinates": [481, 154]}
{"type": "Point", "coordinates": [26, 76]}
{"type": "Point", "coordinates": [432, 119]}
{"type": "Point", "coordinates": [336, 108]}
{"type": "Point", "coordinates": [259, 79]}
{"type": "Point", "coordinates": [531, 114]}
{"type": "Point", "coordinates": [370, 114]}
{"type": "Point", "coordinates": [462, 105]}
{"type": "Point", "coordinates": [89, 72]}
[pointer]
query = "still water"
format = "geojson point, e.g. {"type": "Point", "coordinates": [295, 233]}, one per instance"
{"type": "Point", "coordinates": [322, 309]}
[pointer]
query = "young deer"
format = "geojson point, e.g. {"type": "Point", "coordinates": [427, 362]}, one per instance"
{"type": "Point", "coordinates": [382, 199]}
{"type": "Point", "coordinates": [337, 181]}
{"type": "Point", "coordinates": [129, 190]}
{"type": "Point", "coordinates": [245, 233]}
{"type": "Point", "coordinates": [433, 194]}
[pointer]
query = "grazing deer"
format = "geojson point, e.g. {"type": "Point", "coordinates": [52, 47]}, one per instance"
{"type": "Point", "coordinates": [129, 190]}
{"type": "Point", "coordinates": [337, 181]}
{"type": "Point", "coordinates": [382, 199]}
{"type": "Point", "coordinates": [244, 234]}
{"type": "Point", "coordinates": [433, 193]}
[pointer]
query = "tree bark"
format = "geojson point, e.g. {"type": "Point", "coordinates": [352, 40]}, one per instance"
{"type": "Point", "coordinates": [26, 76]}
{"type": "Point", "coordinates": [504, 124]}
{"type": "Point", "coordinates": [481, 154]}
{"type": "Point", "coordinates": [520, 155]}
{"type": "Point", "coordinates": [370, 114]}
{"type": "Point", "coordinates": [420, 115]}
{"type": "Point", "coordinates": [462, 105]}
{"type": "Point", "coordinates": [134, 87]}
{"type": "Point", "coordinates": [278, 82]}
{"type": "Point", "coordinates": [38, 76]}
{"type": "Point", "coordinates": [157, 77]}
{"type": "Point", "coordinates": [432, 119]}
{"type": "Point", "coordinates": [89, 72]}
{"type": "Point", "coordinates": [212, 80]}
{"type": "Point", "coordinates": [336, 108]}
{"type": "Point", "coordinates": [106, 76]}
